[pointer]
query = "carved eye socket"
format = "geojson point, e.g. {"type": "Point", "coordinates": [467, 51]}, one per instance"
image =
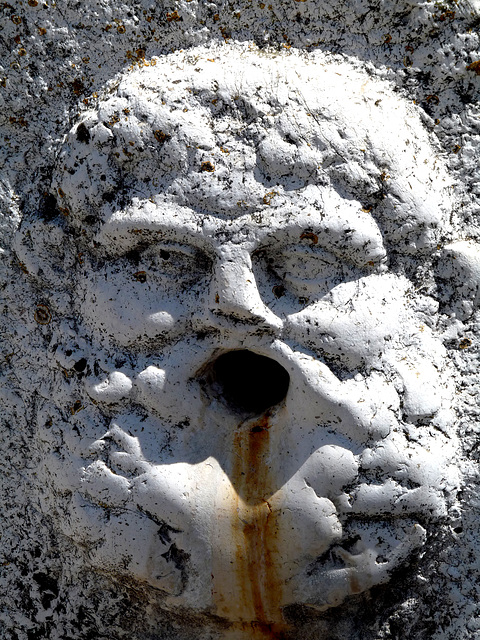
{"type": "Point", "coordinates": [306, 264]}
{"type": "Point", "coordinates": [177, 262]}
{"type": "Point", "coordinates": [166, 264]}
{"type": "Point", "coordinates": [304, 269]}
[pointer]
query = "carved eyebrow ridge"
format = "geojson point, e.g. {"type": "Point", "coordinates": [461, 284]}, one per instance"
{"type": "Point", "coordinates": [152, 223]}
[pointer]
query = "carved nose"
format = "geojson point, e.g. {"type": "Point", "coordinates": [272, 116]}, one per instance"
{"type": "Point", "coordinates": [235, 295]}
{"type": "Point", "coordinates": [247, 382]}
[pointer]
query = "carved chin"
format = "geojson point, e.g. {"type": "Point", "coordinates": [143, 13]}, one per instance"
{"type": "Point", "coordinates": [185, 531]}
{"type": "Point", "coordinates": [229, 541]}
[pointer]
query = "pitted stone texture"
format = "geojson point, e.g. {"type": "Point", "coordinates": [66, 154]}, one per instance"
{"type": "Point", "coordinates": [216, 203]}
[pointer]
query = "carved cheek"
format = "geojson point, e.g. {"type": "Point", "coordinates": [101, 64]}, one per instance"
{"type": "Point", "coordinates": [351, 339]}
{"type": "Point", "coordinates": [128, 310]}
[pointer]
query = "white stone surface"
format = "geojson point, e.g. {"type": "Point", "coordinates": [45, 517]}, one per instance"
{"type": "Point", "coordinates": [225, 200]}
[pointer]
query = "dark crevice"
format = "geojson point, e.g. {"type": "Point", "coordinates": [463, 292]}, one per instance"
{"type": "Point", "coordinates": [247, 382]}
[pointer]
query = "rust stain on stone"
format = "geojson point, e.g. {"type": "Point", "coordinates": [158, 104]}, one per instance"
{"type": "Point", "coordinates": [254, 531]}
{"type": "Point", "coordinates": [355, 585]}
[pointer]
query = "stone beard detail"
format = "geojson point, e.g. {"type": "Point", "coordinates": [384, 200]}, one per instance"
{"type": "Point", "coordinates": [250, 409]}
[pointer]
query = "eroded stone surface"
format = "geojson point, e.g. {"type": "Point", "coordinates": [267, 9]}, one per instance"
{"type": "Point", "coordinates": [216, 203]}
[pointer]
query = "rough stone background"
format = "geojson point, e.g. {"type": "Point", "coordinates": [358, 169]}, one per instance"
{"type": "Point", "coordinates": [55, 57]}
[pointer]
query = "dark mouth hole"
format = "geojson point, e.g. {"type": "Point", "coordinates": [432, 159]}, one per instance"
{"type": "Point", "coordinates": [247, 382]}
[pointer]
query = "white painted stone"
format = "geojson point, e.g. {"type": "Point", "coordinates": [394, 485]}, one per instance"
{"type": "Point", "coordinates": [138, 499]}
{"type": "Point", "coordinates": [221, 201]}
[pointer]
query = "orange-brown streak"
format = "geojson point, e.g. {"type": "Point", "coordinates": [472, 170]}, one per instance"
{"type": "Point", "coordinates": [257, 554]}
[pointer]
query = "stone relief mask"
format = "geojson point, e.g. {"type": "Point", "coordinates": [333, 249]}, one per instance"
{"type": "Point", "coordinates": [251, 409]}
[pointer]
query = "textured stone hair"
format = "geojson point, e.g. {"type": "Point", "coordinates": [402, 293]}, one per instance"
{"type": "Point", "coordinates": [310, 120]}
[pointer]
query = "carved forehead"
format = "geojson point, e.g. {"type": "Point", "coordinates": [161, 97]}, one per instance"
{"type": "Point", "coordinates": [208, 127]}
{"type": "Point", "coordinates": [278, 107]}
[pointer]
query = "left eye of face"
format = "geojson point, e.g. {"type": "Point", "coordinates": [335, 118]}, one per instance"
{"type": "Point", "coordinates": [305, 263]}
{"type": "Point", "coordinates": [305, 269]}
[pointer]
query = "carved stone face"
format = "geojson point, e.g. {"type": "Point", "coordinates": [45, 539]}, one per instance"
{"type": "Point", "coordinates": [264, 416]}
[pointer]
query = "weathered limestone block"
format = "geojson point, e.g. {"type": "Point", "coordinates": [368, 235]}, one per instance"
{"type": "Point", "coordinates": [246, 413]}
